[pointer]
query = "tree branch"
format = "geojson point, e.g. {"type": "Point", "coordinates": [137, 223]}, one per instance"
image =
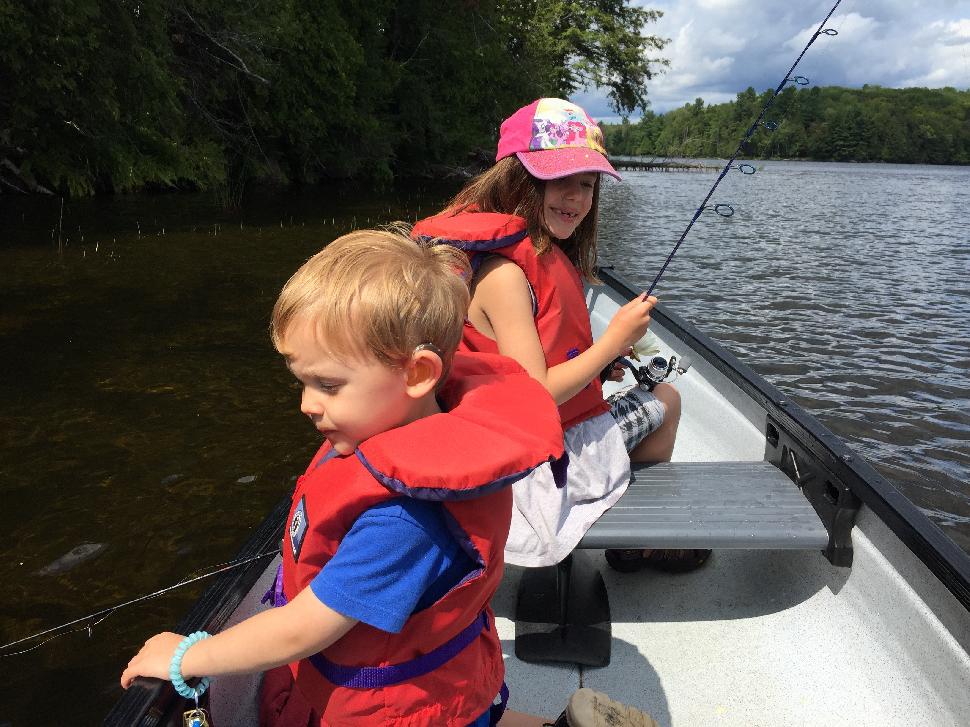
{"type": "Point", "coordinates": [239, 64]}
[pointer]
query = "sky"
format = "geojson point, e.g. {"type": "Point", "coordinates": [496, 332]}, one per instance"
{"type": "Point", "coordinates": [720, 47]}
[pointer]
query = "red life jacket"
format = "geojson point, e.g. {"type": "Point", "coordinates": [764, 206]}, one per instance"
{"type": "Point", "coordinates": [498, 424]}
{"type": "Point", "coordinates": [561, 317]}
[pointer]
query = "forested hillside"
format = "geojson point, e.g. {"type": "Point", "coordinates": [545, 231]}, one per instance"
{"type": "Point", "coordinates": [909, 125]}
{"type": "Point", "coordinates": [106, 95]}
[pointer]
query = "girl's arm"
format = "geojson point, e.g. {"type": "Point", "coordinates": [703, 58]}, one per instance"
{"type": "Point", "coordinates": [502, 309]}
{"type": "Point", "coordinates": [269, 639]}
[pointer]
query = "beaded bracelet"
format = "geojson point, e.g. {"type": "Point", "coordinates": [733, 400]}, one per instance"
{"type": "Point", "coordinates": [175, 667]}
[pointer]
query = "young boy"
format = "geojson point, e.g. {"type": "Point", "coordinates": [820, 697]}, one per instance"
{"type": "Point", "coordinates": [394, 542]}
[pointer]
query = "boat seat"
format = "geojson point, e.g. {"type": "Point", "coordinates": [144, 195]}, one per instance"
{"type": "Point", "coordinates": [563, 613]}
{"type": "Point", "coordinates": [745, 505]}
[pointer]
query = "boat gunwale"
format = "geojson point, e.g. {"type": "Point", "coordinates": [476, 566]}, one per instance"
{"type": "Point", "coordinates": [150, 702]}
{"type": "Point", "coordinates": [941, 555]}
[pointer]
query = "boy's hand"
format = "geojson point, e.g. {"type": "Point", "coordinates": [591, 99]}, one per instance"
{"type": "Point", "coordinates": [630, 323]}
{"type": "Point", "coordinates": [153, 660]}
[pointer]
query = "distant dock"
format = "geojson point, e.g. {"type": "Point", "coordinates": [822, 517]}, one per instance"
{"type": "Point", "coordinates": [635, 165]}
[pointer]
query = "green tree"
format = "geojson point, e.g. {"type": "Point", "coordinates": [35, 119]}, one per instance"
{"type": "Point", "coordinates": [567, 45]}
{"type": "Point", "coordinates": [86, 101]}
{"type": "Point", "coordinates": [103, 95]}
{"type": "Point", "coordinates": [914, 125]}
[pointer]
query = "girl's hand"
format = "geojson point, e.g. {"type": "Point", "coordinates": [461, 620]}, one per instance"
{"type": "Point", "coordinates": [630, 323]}
{"type": "Point", "coordinates": [616, 374]}
{"type": "Point", "coordinates": [153, 660]}
{"type": "Point", "coordinates": [616, 370]}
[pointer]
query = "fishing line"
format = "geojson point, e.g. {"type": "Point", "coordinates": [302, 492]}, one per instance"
{"type": "Point", "coordinates": [105, 612]}
{"type": "Point", "coordinates": [725, 210]}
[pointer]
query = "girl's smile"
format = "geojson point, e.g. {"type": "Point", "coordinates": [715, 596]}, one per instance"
{"type": "Point", "coordinates": [566, 203]}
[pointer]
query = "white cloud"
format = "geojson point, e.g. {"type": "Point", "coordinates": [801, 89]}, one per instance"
{"type": "Point", "coordinates": [720, 47]}
{"type": "Point", "coordinates": [850, 25]}
{"type": "Point", "coordinates": [947, 60]}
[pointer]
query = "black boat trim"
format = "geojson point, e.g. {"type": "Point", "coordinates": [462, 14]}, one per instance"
{"type": "Point", "coordinates": [154, 702]}
{"type": "Point", "coordinates": [944, 558]}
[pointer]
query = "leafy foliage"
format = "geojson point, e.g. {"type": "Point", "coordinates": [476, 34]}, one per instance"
{"type": "Point", "coordinates": [910, 125]}
{"type": "Point", "coordinates": [114, 95]}
{"type": "Point", "coordinates": [86, 100]}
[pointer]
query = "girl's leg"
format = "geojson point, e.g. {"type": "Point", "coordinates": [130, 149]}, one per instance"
{"type": "Point", "coordinates": [659, 445]}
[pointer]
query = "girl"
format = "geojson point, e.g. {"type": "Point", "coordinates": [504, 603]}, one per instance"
{"type": "Point", "coordinates": [529, 227]}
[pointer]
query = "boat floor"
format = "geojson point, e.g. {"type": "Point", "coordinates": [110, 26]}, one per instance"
{"type": "Point", "coordinates": [772, 638]}
{"type": "Point", "coordinates": [753, 638]}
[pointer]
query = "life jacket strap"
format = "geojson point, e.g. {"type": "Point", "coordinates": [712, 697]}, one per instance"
{"type": "Point", "coordinates": [374, 677]}
{"type": "Point", "coordinates": [274, 596]}
{"type": "Point", "coordinates": [496, 711]}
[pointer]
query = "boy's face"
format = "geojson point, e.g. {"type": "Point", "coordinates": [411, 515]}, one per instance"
{"type": "Point", "coordinates": [566, 203]}
{"type": "Point", "coordinates": [347, 401]}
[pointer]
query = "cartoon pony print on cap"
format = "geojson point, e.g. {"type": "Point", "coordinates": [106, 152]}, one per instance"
{"type": "Point", "coordinates": [558, 124]}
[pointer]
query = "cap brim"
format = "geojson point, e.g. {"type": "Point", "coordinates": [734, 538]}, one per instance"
{"type": "Point", "coordinates": [557, 163]}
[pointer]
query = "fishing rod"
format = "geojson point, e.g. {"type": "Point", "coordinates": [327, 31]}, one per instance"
{"type": "Point", "coordinates": [726, 210]}
{"type": "Point", "coordinates": [101, 615]}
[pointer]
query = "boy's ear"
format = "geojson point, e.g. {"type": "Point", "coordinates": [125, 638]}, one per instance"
{"type": "Point", "coordinates": [422, 373]}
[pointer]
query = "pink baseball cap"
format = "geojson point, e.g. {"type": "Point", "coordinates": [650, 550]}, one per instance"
{"type": "Point", "coordinates": [554, 138]}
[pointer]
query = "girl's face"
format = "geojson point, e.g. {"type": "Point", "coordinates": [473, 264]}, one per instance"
{"type": "Point", "coordinates": [566, 203]}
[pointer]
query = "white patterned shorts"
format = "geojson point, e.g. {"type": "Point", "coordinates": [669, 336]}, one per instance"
{"type": "Point", "coordinates": [637, 412]}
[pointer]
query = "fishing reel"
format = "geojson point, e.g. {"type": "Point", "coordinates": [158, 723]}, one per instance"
{"type": "Point", "coordinates": [656, 370]}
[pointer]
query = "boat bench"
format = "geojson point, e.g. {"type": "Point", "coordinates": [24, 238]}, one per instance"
{"type": "Point", "coordinates": [562, 611]}
{"type": "Point", "coordinates": [744, 505]}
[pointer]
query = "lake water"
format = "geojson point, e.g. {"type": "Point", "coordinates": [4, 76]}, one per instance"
{"type": "Point", "coordinates": [845, 285]}
{"type": "Point", "coordinates": [144, 411]}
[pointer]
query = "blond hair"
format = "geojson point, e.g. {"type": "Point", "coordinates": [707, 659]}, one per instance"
{"type": "Point", "coordinates": [507, 187]}
{"type": "Point", "coordinates": [378, 291]}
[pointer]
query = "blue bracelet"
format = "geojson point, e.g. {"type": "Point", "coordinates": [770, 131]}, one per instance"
{"type": "Point", "coordinates": [175, 667]}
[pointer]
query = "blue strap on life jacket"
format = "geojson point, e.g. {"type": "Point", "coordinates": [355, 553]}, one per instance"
{"type": "Point", "coordinates": [497, 710]}
{"type": "Point", "coordinates": [374, 677]}
{"type": "Point", "coordinates": [275, 596]}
